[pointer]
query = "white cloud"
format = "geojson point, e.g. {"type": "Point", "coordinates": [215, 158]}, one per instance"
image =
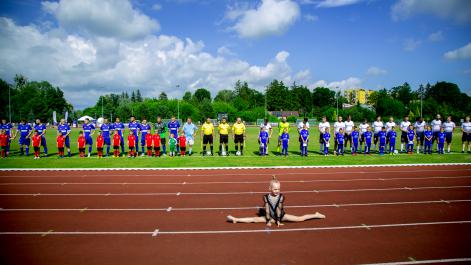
{"type": "Point", "coordinates": [311, 18]}
{"type": "Point", "coordinates": [351, 82]}
{"type": "Point", "coordinates": [85, 67]}
{"type": "Point", "coordinates": [457, 10]}
{"type": "Point", "coordinates": [460, 53]}
{"type": "Point", "coordinates": [410, 44]}
{"type": "Point", "coordinates": [157, 7]}
{"type": "Point", "coordinates": [224, 51]}
{"type": "Point", "coordinates": [436, 36]}
{"type": "Point", "coordinates": [270, 17]}
{"type": "Point", "coordinates": [336, 3]}
{"type": "Point", "coordinates": [106, 18]}
{"type": "Point", "coordinates": [375, 71]}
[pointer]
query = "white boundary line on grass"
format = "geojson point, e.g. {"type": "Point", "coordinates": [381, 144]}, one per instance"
{"type": "Point", "coordinates": [431, 261]}
{"type": "Point", "coordinates": [207, 232]}
{"type": "Point", "coordinates": [223, 182]}
{"type": "Point", "coordinates": [231, 208]}
{"type": "Point", "coordinates": [225, 168]}
{"type": "Point", "coordinates": [231, 193]}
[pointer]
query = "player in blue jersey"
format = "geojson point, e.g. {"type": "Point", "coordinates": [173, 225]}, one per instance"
{"type": "Point", "coordinates": [382, 135]}
{"type": "Point", "coordinates": [326, 139]}
{"type": "Point", "coordinates": [118, 127]}
{"type": "Point", "coordinates": [428, 140]}
{"type": "Point", "coordinates": [134, 127]}
{"type": "Point", "coordinates": [340, 141]}
{"type": "Point", "coordinates": [106, 129]}
{"type": "Point", "coordinates": [145, 129]}
{"type": "Point", "coordinates": [173, 128]}
{"type": "Point", "coordinates": [355, 140]}
{"type": "Point", "coordinates": [392, 135]}
{"type": "Point", "coordinates": [441, 137]}
{"type": "Point", "coordinates": [88, 131]}
{"type": "Point", "coordinates": [263, 139]}
{"type": "Point", "coordinates": [41, 128]}
{"type": "Point", "coordinates": [285, 142]}
{"type": "Point", "coordinates": [25, 134]}
{"type": "Point", "coordinates": [410, 139]}
{"type": "Point", "coordinates": [368, 136]}
{"type": "Point", "coordinates": [64, 130]}
{"type": "Point", "coordinates": [8, 128]}
{"type": "Point", "coordinates": [304, 137]}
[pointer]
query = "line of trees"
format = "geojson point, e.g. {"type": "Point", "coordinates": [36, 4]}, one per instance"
{"type": "Point", "coordinates": [31, 99]}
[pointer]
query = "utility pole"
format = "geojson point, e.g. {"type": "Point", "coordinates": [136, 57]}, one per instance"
{"type": "Point", "coordinates": [178, 105]}
{"type": "Point", "coordinates": [266, 110]}
{"type": "Point", "coordinates": [102, 106]}
{"type": "Point", "coordinates": [9, 102]}
{"type": "Point", "coordinates": [337, 99]}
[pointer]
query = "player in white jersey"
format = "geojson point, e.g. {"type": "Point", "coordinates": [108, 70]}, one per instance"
{"type": "Point", "coordinates": [322, 126]}
{"type": "Point", "coordinates": [419, 127]}
{"type": "Point", "coordinates": [339, 124]}
{"type": "Point", "coordinates": [363, 128]}
{"type": "Point", "coordinates": [404, 126]}
{"type": "Point", "coordinates": [377, 127]}
{"type": "Point", "coordinates": [389, 126]}
{"type": "Point", "coordinates": [466, 137]}
{"type": "Point", "coordinates": [449, 127]}
{"type": "Point", "coordinates": [348, 131]}
{"type": "Point", "coordinates": [436, 125]}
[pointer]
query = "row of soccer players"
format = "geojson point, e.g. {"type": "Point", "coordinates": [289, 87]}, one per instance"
{"type": "Point", "coordinates": [420, 129]}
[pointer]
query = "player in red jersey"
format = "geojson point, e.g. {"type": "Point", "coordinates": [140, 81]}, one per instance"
{"type": "Point", "coordinates": [132, 144]}
{"type": "Point", "coordinates": [116, 143]}
{"type": "Point", "coordinates": [100, 141]}
{"type": "Point", "coordinates": [60, 145]}
{"type": "Point", "coordinates": [4, 143]}
{"type": "Point", "coordinates": [36, 144]}
{"type": "Point", "coordinates": [157, 140]}
{"type": "Point", "coordinates": [81, 144]}
{"type": "Point", "coordinates": [149, 143]}
{"type": "Point", "coordinates": [182, 143]}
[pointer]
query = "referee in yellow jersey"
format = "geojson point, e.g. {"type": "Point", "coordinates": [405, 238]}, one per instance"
{"type": "Point", "coordinates": [282, 125]}
{"type": "Point", "coordinates": [223, 130]}
{"type": "Point", "coordinates": [238, 130]}
{"type": "Point", "coordinates": [207, 132]}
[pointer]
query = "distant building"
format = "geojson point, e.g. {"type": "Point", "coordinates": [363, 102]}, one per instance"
{"type": "Point", "coordinates": [357, 95]}
{"type": "Point", "coordinates": [284, 113]}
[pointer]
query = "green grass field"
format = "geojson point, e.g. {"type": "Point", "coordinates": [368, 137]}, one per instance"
{"type": "Point", "coordinates": [250, 157]}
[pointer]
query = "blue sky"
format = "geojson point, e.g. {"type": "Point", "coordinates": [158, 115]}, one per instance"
{"type": "Point", "coordinates": [92, 47]}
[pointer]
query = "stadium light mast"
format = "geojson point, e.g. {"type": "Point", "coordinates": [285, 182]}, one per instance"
{"type": "Point", "coordinates": [266, 110]}
{"type": "Point", "coordinates": [421, 97]}
{"type": "Point", "coordinates": [337, 99]}
{"type": "Point", "coordinates": [178, 105]}
{"type": "Point", "coordinates": [9, 102]}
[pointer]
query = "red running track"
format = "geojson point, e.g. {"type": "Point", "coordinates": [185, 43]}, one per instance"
{"type": "Point", "coordinates": [379, 214]}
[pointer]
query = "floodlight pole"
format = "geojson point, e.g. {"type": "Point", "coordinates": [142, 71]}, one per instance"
{"type": "Point", "coordinates": [337, 99]}
{"type": "Point", "coordinates": [9, 102]}
{"type": "Point", "coordinates": [178, 105]}
{"type": "Point", "coordinates": [421, 97]}
{"type": "Point", "coordinates": [266, 110]}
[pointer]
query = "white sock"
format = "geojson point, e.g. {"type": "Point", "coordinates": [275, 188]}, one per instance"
{"type": "Point", "coordinates": [402, 147]}
{"type": "Point", "coordinates": [449, 148]}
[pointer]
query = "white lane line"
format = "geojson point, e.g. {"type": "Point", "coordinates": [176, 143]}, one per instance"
{"type": "Point", "coordinates": [276, 230]}
{"type": "Point", "coordinates": [431, 261]}
{"type": "Point", "coordinates": [234, 192]}
{"type": "Point", "coordinates": [229, 174]}
{"type": "Point", "coordinates": [336, 205]}
{"type": "Point", "coordinates": [227, 182]}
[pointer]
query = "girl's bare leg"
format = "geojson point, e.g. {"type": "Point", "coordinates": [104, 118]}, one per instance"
{"type": "Point", "coordinates": [246, 219]}
{"type": "Point", "coordinates": [293, 218]}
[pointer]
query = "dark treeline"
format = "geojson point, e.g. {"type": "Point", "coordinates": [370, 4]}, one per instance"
{"type": "Point", "coordinates": [31, 99]}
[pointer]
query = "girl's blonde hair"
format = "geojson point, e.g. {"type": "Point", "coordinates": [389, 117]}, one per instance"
{"type": "Point", "coordinates": [274, 180]}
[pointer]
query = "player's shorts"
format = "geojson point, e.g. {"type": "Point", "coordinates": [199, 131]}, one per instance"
{"type": "Point", "coordinates": [156, 148]}
{"type": "Point", "coordinates": [321, 138]}
{"type": "Point", "coordinates": [223, 138]}
{"type": "Point", "coordinates": [420, 137]}
{"type": "Point", "coordinates": [448, 137]}
{"type": "Point", "coordinates": [131, 148]}
{"type": "Point", "coordinates": [24, 141]}
{"type": "Point", "coordinates": [61, 149]}
{"type": "Point", "coordinates": [149, 148]}
{"type": "Point", "coordinates": [466, 137]}
{"type": "Point", "coordinates": [107, 141]}
{"type": "Point", "coordinates": [382, 143]}
{"type": "Point", "coordinates": [392, 143]}
{"type": "Point", "coordinates": [435, 136]}
{"type": "Point", "coordinates": [348, 138]}
{"type": "Point", "coordinates": [116, 147]}
{"type": "Point", "coordinates": [36, 148]}
{"type": "Point", "coordinates": [404, 138]}
{"type": "Point", "coordinates": [208, 139]}
{"type": "Point", "coordinates": [183, 148]}
{"type": "Point", "coordinates": [190, 141]}
{"type": "Point", "coordinates": [99, 149]}
{"type": "Point", "coordinates": [239, 138]}
{"type": "Point", "coordinates": [81, 150]}
{"type": "Point", "coordinates": [375, 137]}
{"type": "Point", "coordinates": [89, 140]}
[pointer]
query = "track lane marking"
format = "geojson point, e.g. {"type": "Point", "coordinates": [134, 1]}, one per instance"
{"type": "Point", "coordinates": [431, 261]}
